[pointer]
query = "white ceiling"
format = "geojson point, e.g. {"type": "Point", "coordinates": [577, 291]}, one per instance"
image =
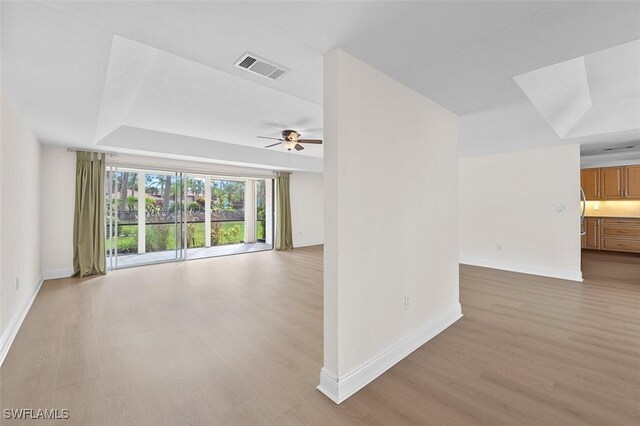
{"type": "Point", "coordinates": [607, 154]}
{"type": "Point", "coordinates": [614, 73]}
{"type": "Point", "coordinates": [150, 89]}
{"type": "Point", "coordinates": [596, 94]}
{"type": "Point", "coordinates": [59, 68]}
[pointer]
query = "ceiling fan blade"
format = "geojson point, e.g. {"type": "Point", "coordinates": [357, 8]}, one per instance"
{"type": "Point", "coordinates": [266, 137]}
{"type": "Point", "coordinates": [298, 147]}
{"type": "Point", "coordinates": [316, 141]}
{"type": "Point", "coordinates": [273, 144]}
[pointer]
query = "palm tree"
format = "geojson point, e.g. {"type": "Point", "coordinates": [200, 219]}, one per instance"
{"type": "Point", "coordinates": [166, 194]}
{"type": "Point", "coordinates": [124, 189]}
{"type": "Point", "coordinates": [196, 186]}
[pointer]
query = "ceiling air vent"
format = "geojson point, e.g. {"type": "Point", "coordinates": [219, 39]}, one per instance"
{"type": "Point", "coordinates": [260, 66]}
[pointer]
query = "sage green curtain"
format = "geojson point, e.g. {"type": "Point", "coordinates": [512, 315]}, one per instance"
{"type": "Point", "coordinates": [284, 236]}
{"type": "Point", "coordinates": [88, 223]}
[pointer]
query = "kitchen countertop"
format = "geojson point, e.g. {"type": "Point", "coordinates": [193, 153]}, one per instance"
{"type": "Point", "coordinates": [612, 217]}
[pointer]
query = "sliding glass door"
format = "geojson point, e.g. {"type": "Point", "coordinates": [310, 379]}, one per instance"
{"type": "Point", "coordinates": [144, 217]}
{"type": "Point", "coordinates": [157, 216]}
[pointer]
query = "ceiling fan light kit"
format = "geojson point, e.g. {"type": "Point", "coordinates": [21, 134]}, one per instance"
{"type": "Point", "coordinates": [289, 145]}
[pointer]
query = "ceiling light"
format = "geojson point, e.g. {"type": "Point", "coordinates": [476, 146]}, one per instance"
{"type": "Point", "coordinates": [289, 145]}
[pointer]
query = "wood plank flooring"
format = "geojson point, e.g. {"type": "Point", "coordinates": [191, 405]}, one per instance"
{"type": "Point", "coordinates": [127, 260]}
{"type": "Point", "coordinates": [238, 340]}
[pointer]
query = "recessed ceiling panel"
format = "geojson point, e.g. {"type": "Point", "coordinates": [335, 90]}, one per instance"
{"type": "Point", "coordinates": [559, 92]}
{"type": "Point", "coordinates": [155, 90]}
{"type": "Point", "coordinates": [614, 74]}
{"type": "Point", "coordinates": [596, 94]}
{"type": "Point", "coordinates": [129, 65]}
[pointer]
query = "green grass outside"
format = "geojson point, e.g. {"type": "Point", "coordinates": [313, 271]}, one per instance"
{"type": "Point", "coordinates": [128, 236]}
{"type": "Point", "coordinates": [127, 239]}
{"type": "Point", "coordinates": [260, 234]}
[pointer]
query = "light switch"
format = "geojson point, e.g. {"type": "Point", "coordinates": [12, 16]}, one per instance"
{"type": "Point", "coordinates": [560, 208]}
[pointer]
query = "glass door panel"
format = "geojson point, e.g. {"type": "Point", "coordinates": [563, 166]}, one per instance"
{"type": "Point", "coordinates": [261, 224]}
{"type": "Point", "coordinates": [161, 236]}
{"type": "Point", "coordinates": [110, 241]}
{"type": "Point", "coordinates": [195, 212]}
{"type": "Point", "coordinates": [124, 205]}
{"type": "Point", "coordinates": [227, 212]}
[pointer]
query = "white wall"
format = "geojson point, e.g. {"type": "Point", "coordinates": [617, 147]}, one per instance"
{"type": "Point", "coordinates": [511, 200]}
{"type": "Point", "coordinates": [58, 177]}
{"type": "Point", "coordinates": [391, 203]}
{"type": "Point", "coordinates": [20, 220]}
{"type": "Point", "coordinates": [306, 209]}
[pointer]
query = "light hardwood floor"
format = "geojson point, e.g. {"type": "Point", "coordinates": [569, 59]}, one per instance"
{"type": "Point", "coordinates": [238, 340]}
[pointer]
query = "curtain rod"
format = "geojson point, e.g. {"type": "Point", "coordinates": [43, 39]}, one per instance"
{"type": "Point", "coordinates": [177, 169]}
{"type": "Point", "coordinates": [109, 153]}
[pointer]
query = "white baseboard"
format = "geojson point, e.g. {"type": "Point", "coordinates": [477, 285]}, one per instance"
{"type": "Point", "coordinates": [329, 385]}
{"type": "Point", "coordinates": [53, 274]}
{"type": "Point", "coordinates": [563, 274]}
{"type": "Point", "coordinates": [12, 330]}
{"type": "Point", "coordinates": [340, 388]}
{"type": "Point", "coordinates": [299, 244]}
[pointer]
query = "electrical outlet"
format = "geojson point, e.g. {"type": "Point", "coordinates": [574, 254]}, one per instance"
{"type": "Point", "coordinates": [406, 302]}
{"type": "Point", "coordinates": [17, 283]}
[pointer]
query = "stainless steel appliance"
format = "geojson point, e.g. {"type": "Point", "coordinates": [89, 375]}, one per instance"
{"type": "Point", "coordinates": [583, 201]}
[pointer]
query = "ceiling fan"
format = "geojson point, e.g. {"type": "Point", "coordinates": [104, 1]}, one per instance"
{"type": "Point", "coordinates": [291, 140]}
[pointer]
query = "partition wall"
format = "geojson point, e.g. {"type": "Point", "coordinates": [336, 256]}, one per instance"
{"type": "Point", "coordinates": [157, 216]}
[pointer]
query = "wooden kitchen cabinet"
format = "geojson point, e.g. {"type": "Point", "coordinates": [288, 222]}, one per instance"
{"type": "Point", "coordinates": [590, 183]}
{"type": "Point", "coordinates": [620, 234]}
{"type": "Point", "coordinates": [611, 183]}
{"type": "Point", "coordinates": [632, 181]}
{"type": "Point", "coordinates": [612, 234]}
{"type": "Point", "coordinates": [591, 240]}
{"type": "Point", "coordinates": [612, 244]}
